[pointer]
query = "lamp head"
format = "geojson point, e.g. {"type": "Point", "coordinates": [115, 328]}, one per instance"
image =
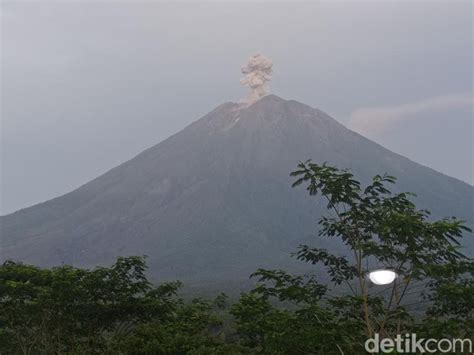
{"type": "Point", "coordinates": [382, 276]}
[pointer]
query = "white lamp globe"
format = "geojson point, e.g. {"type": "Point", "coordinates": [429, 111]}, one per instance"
{"type": "Point", "coordinates": [382, 277]}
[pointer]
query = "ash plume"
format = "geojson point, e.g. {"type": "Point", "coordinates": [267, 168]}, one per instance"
{"type": "Point", "coordinates": [258, 72]}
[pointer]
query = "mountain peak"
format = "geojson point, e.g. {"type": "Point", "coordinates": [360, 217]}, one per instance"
{"type": "Point", "coordinates": [274, 102]}
{"type": "Point", "coordinates": [270, 98]}
{"type": "Point", "coordinates": [214, 201]}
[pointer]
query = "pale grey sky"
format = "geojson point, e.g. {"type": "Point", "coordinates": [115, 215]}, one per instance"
{"type": "Point", "coordinates": [88, 85]}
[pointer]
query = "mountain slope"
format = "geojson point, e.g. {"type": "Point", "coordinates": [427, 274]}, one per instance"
{"type": "Point", "coordinates": [214, 202]}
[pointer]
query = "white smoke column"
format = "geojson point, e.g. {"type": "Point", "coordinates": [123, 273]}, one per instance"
{"type": "Point", "coordinates": [258, 72]}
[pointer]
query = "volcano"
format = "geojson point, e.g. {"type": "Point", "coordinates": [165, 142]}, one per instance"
{"type": "Point", "coordinates": [214, 202]}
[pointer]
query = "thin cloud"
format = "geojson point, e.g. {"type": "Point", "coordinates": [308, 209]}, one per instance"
{"type": "Point", "coordinates": [376, 120]}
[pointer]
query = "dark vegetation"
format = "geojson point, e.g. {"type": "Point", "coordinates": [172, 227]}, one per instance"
{"type": "Point", "coordinates": [116, 310]}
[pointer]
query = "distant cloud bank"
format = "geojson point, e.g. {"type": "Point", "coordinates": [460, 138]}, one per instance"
{"type": "Point", "coordinates": [376, 120]}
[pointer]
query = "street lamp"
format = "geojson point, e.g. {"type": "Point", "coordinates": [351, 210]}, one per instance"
{"type": "Point", "coordinates": [382, 276]}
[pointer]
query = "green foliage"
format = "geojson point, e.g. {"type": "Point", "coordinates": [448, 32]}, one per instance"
{"type": "Point", "coordinates": [379, 229]}
{"type": "Point", "coordinates": [451, 296]}
{"type": "Point", "coordinates": [288, 314]}
{"type": "Point", "coordinates": [188, 330]}
{"type": "Point", "coordinates": [303, 327]}
{"type": "Point", "coordinates": [105, 310]}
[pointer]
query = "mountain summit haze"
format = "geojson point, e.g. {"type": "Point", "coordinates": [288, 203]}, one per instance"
{"type": "Point", "coordinates": [214, 202]}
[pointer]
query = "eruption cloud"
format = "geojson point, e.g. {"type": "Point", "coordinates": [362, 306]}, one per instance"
{"type": "Point", "coordinates": [258, 72]}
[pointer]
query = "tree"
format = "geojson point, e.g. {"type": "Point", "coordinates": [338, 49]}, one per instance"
{"type": "Point", "coordinates": [66, 309]}
{"type": "Point", "coordinates": [108, 310]}
{"type": "Point", "coordinates": [378, 229]}
{"type": "Point", "coordinates": [194, 328]}
{"type": "Point", "coordinates": [297, 323]}
{"type": "Point", "coordinates": [450, 292]}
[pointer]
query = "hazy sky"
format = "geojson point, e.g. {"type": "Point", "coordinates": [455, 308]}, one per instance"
{"type": "Point", "coordinates": [88, 85]}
